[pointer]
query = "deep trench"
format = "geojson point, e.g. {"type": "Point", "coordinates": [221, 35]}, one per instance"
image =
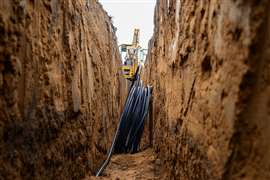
{"type": "Point", "coordinates": [62, 91]}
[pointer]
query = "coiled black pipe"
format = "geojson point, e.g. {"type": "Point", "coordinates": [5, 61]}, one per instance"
{"type": "Point", "coordinates": [131, 124]}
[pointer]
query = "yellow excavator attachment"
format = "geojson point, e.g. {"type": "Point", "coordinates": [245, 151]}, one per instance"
{"type": "Point", "coordinates": [133, 56]}
{"type": "Point", "coordinates": [129, 71]}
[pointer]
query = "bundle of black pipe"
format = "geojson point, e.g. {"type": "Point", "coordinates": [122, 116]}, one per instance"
{"type": "Point", "coordinates": [131, 124]}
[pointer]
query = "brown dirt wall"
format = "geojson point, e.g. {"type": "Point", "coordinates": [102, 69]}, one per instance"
{"type": "Point", "coordinates": [209, 63]}
{"type": "Point", "coordinates": [60, 89]}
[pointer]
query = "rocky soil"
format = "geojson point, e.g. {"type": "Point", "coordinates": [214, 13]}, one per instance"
{"type": "Point", "coordinates": [209, 63]}
{"type": "Point", "coordinates": [60, 89]}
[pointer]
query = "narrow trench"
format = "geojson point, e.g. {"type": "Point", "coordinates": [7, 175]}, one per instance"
{"type": "Point", "coordinates": [124, 159]}
{"type": "Point", "coordinates": [125, 89]}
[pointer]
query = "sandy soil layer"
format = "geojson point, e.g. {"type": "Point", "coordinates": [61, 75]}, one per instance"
{"type": "Point", "coordinates": [141, 165]}
{"type": "Point", "coordinates": [60, 89]}
{"type": "Point", "coordinates": [209, 64]}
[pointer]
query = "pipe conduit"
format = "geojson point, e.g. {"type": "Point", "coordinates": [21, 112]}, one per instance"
{"type": "Point", "coordinates": [131, 123]}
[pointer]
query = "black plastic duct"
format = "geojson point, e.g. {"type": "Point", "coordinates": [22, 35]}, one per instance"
{"type": "Point", "coordinates": [131, 124]}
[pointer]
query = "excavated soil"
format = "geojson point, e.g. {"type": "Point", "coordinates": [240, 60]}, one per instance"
{"type": "Point", "coordinates": [209, 63]}
{"type": "Point", "coordinates": [60, 88]}
{"type": "Point", "coordinates": [61, 93]}
{"type": "Point", "coordinates": [141, 165]}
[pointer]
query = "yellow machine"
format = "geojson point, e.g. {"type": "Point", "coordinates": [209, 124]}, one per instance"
{"type": "Point", "coordinates": [134, 55]}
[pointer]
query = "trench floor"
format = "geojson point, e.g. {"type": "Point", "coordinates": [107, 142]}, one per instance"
{"type": "Point", "coordinates": [130, 166]}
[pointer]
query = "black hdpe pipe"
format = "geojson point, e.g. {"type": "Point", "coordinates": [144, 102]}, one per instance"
{"type": "Point", "coordinates": [131, 124]}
